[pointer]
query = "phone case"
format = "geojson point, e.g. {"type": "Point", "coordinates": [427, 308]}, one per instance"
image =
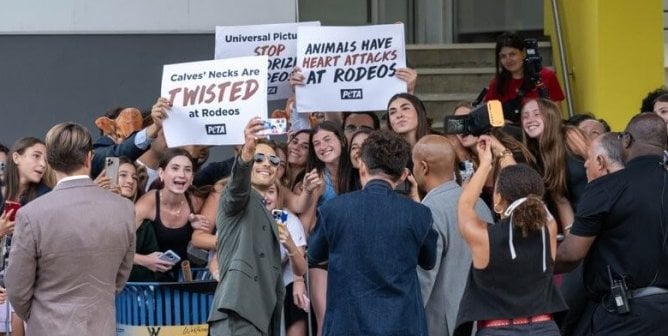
{"type": "Point", "coordinates": [170, 257]}
{"type": "Point", "coordinates": [111, 166]}
{"type": "Point", "coordinates": [274, 126]}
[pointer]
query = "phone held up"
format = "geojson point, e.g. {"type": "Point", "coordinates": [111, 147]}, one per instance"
{"type": "Point", "coordinates": [9, 205]}
{"type": "Point", "coordinates": [274, 126]}
{"type": "Point", "coordinates": [111, 166]}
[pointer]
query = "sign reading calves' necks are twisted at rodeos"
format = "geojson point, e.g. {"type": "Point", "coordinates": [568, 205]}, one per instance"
{"type": "Point", "coordinates": [213, 100]}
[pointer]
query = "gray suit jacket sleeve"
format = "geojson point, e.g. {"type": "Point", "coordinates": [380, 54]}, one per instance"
{"type": "Point", "coordinates": [21, 271]}
{"type": "Point", "coordinates": [238, 189]}
{"type": "Point", "coordinates": [128, 260]}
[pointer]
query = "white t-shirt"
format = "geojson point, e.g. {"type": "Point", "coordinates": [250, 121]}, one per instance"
{"type": "Point", "coordinates": [296, 230]}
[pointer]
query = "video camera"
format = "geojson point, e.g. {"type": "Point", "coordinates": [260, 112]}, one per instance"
{"type": "Point", "coordinates": [480, 121]}
{"type": "Point", "coordinates": [533, 61]}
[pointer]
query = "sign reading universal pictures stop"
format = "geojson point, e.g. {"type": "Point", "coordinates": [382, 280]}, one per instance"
{"type": "Point", "coordinates": [278, 41]}
{"type": "Point", "coordinates": [349, 68]}
{"type": "Point", "coordinates": [212, 101]}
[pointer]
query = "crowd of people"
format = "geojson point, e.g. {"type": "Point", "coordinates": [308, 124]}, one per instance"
{"type": "Point", "coordinates": [370, 224]}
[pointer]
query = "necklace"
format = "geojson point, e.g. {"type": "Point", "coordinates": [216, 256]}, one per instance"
{"type": "Point", "coordinates": [175, 213]}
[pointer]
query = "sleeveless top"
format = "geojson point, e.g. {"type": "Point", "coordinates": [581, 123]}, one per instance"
{"type": "Point", "coordinates": [517, 282]}
{"type": "Point", "coordinates": [172, 239]}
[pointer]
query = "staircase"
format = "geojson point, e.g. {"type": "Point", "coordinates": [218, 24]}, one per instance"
{"type": "Point", "coordinates": [451, 73]}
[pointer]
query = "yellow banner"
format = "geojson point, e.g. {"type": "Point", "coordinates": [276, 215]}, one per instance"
{"type": "Point", "coordinates": [191, 330]}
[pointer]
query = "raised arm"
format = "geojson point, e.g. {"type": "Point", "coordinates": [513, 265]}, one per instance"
{"type": "Point", "coordinates": [472, 227]}
{"type": "Point", "coordinates": [238, 190]}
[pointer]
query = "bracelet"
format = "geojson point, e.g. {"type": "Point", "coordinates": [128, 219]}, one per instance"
{"type": "Point", "coordinates": [567, 228]}
{"type": "Point", "coordinates": [505, 152]}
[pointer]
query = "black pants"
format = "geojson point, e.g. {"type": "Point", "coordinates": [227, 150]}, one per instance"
{"type": "Point", "coordinates": [648, 317]}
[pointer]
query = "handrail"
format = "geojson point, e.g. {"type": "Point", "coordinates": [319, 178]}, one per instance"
{"type": "Point", "coordinates": [562, 57]}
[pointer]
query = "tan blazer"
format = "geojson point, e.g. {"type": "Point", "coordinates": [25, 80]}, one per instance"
{"type": "Point", "coordinates": [72, 250]}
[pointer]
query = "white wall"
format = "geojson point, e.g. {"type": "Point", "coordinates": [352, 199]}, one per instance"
{"type": "Point", "coordinates": [137, 16]}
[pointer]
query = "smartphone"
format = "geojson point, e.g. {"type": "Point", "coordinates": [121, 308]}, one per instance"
{"type": "Point", "coordinates": [274, 126]}
{"type": "Point", "coordinates": [9, 205]}
{"type": "Point", "coordinates": [111, 166]}
{"type": "Point", "coordinates": [280, 216]}
{"type": "Point", "coordinates": [170, 257]}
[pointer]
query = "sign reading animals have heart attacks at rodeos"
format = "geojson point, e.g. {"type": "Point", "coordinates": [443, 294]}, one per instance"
{"type": "Point", "coordinates": [212, 101]}
{"type": "Point", "coordinates": [278, 41]}
{"type": "Point", "coordinates": [349, 68]}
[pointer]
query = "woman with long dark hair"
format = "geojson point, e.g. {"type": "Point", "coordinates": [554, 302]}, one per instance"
{"type": "Point", "coordinates": [407, 117]}
{"type": "Point", "coordinates": [171, 210]}
{"type": "Point", "coordinates": [512, 82]}
{"type": "Point", "coordinates": [25, 174]}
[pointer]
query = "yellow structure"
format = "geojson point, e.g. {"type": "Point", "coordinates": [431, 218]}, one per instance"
{"type": "Point", "coordinates": [614, 50]}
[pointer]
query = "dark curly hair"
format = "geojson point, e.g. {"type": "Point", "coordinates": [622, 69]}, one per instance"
{"type": "Point", "coordinates": [385, 152]}
{"type": "Point", "coordinates": [517, 181]}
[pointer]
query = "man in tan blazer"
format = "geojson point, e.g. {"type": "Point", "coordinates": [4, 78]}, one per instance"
{"type": "Point", "coordinates": [72, 248]}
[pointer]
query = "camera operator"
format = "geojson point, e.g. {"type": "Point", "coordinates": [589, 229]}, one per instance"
{"type": "Point", "coordinates": [621, 228]}
{"type": "Point", "coordinates": [520, 75]}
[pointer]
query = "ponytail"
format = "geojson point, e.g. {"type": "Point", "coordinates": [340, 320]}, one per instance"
{"type": "Point", "coordinates": [530, 216]}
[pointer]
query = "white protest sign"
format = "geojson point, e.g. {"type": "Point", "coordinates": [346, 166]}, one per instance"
{"type": "Point", "coordinates": [278, 41]}
{"type": "Point", "coordinates": [212, 101]}
{"type": "Point", "coordinates": [349, 68]}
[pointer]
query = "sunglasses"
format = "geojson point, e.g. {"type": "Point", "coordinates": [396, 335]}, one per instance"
{"type": "Point", "coordinates": [355, 128]}
{"type": "Point", "coordinates": [273, 159]}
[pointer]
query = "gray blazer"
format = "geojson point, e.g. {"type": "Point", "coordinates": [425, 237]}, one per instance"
{"type": "Point", "coordinates": [71, 252]}
{"type": "Point", "coordinates": [249, 256]}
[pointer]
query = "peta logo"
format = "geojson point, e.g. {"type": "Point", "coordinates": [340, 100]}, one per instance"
{"type": "Point", "coordinates": [216, 129]}
{"type": "Point", "coordinates": [272, 89]}
{"type": "Point", "coordinates": [351, 93]}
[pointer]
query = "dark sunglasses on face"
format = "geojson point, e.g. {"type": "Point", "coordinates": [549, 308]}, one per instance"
{"type": "Point", "coordinates": [355, 128]}
{"type": "Point", "coordinates": [273, 159]}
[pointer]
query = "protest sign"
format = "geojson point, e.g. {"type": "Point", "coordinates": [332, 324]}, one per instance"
{"type": "Point", "coordinates": [277, 41]}
{"type": "Point", "coordinates": [212, 101]}
{"type": "Point", "coordinates": [349, 68]}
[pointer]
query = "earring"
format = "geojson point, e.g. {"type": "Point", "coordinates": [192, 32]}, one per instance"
{"type": "Point", "coordinates": [498, 209]}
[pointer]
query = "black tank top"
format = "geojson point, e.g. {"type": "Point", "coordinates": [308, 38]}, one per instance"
{"type": "Point", "coordinates": [172, 239]}
{"type": "Point", "coordinates": [510, 288]}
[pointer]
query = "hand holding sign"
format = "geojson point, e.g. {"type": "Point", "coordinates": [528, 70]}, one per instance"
{"type": "Point", "coordinates": [210, 101]}
{"type": "Point", "coordinates": [350, 68]}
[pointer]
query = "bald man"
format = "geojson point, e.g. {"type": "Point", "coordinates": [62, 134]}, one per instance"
{"type": "Point", "coordinates": [443, 286]}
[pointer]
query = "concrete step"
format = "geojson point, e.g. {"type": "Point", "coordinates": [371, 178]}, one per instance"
{"type": "Point", "coordinates": [453, 80]}
{"type": "Point", "coordinates": [464, 55]}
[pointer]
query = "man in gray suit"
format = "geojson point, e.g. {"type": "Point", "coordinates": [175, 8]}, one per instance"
{"type": "Point", "coordinates": [249, 297]}
{"type": "Point", "coordinates": [443, 286]}
{"type": "Point", "coordinates": [72, 248]}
